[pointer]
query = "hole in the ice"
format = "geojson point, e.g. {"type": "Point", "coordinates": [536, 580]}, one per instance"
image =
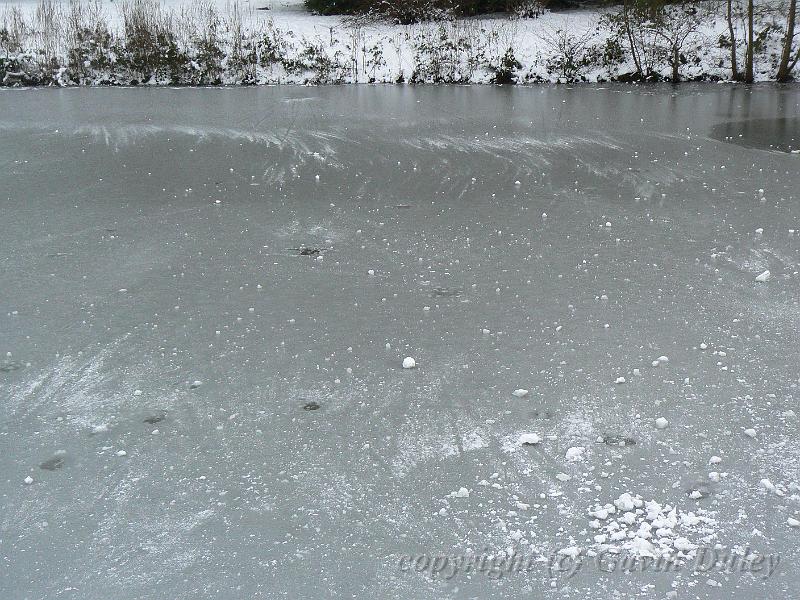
{"type": "Point", "coordinates": [781, 134]}
{"type": "Point", "coordinates": [311, 406]}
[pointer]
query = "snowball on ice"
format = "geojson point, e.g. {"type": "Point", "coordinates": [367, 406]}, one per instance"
{"type": "Point", "coordinates": [409, 363]}
{"type": "Point", "coordinates": [575, 453]}
{"type": "Point", "coordinates": [661, 423]}
{"type": "Point", "coordinates": [28, 480]}
{"type": "Point", "coordinates": [764, 276]}
{"type": "Point", "coordinates": [520, 393]}
{"type": "Point", "coordinates": [461, 493]}
{"type": "Point", "coordinates": [626, 502]}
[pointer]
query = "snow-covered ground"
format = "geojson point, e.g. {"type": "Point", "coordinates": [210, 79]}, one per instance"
{"type": "Point", "coordinates": [209, 296]}
{"type": "Point", "coordinates": [331, 49]}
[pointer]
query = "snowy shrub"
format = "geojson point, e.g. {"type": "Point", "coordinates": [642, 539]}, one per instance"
{"type": "Point", "coordinates": [608, 54]}
{"type": "Point", "coordinates": [149, 47]}
{"type": "Point", "coordinates": [415, 11]}
{"type": "Point", "coordinates": [527, 9]}
{"type": "Point", "coordinates": [314, 62]}
{"type": "Point", "coordinates": [89, 41]}
{"type": "Point", "coordinates": [505, 73]}
{"type": "Point", "coordinates": [204, 45]}
{"type": "Point", "coordinates": [273, 46]}
{"type": "Point", "coordinates": [569, 52]}
{"type": "Point", "coordinates": [399, 11]}
{"type": "Point", "coordinates": [90, 52]}
{"type": "Point", "coordinates": [448, 52]}
{"type": "Point", "coordinates": [372, 60]}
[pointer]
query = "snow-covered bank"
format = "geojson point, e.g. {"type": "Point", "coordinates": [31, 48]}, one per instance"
{"type": "Point", "coordinates": [216, 43]}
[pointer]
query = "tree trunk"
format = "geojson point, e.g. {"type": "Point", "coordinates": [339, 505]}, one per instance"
{"type": "Point", "coordinates": [784, 68]}
{"type": "Point", "coordinates": [748, 57]}
{"type": "Point", "coordinates": [676, 61]}
{"type": "Point", "coordinates": [734, 61]}
{"type": "Point", "coordinates": [631, 42]}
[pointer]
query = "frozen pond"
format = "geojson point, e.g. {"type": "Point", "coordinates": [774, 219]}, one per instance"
{"type": "Point", "coordinates": [206, 296]}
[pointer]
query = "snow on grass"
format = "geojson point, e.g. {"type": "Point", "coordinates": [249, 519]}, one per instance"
{"type": "Point", "coordinates": [295, 46]}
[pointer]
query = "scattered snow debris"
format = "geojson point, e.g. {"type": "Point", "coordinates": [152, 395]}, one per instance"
{"type": "Point", "coordinates": [751, 433]}
{"type": "Point", "coordinates": [137, 392]}
{"type": "Point", "coordinates": [760, 230]}
{"type": "Point", "coordinates": [371, 272]}
{"type": "Point", "coordinates": [195, 384]}
{"type": "Point", "coordinates": [714, 476]}
{"type": "Point", "coordinates": [122, 453]}
{"type": "Point", "coordinates": [575, 454]}
{"type": "Point", "coordinates": [764, 276]}
{"type": "Point", "coordinates": [767, 485]}
{"type": "Point", "coordinates": [102, 428]}
{"type": "Point", "coordinates": [461, 493]}
{"type": "Point", "coordinates": [409, 363]}
{"type": "Point", "coordinates": [517, 183]}
{"type": "Point", "coordinates": [520, 393]}
{"type": "Point", "coordinates": [620, 380]}
{"type": "Point", "coordinates": [793, 522]}
{"type": "Point", "coordinates": [703, 346]}
{"type": "Point", "coordinates": [28, 480]}
{"type": "Point", "coordinates": [650, 529]}
{"type": "Point", "coordinates": [663, 359]}
{"type": "Point", "coordinates": [715, 460]}
{"type": "Point", "coordinates": [563, 477]}
{"type": "Point", "coordinates": [695, 495]}
{"type": "Point", "coordinates": [529, 439]}
{"type": "Point", "coordinates": [661, 423]}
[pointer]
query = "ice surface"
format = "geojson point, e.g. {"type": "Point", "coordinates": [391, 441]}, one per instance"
{"type": "Point", "coordinates": [309, 462]}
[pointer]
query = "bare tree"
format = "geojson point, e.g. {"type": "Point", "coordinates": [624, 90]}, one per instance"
{"type": "Point", "coordinates": [748, 55]}
{"type": "Point", "coordinates": [788, 62]}
{"type": "Point", "coordinates": [656, 31]}
{"type": "Point", "coordinates": [674, 26]}
{"type": "Point", "coordinates": [735, 75]}
{"type": "Point", "coordinates": [629, 26]}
